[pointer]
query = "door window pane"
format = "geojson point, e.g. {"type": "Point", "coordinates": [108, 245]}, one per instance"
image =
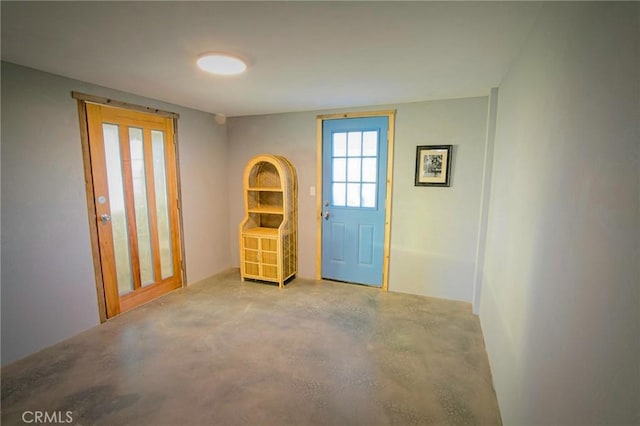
{"type": "Point", "coordinates": [354, 144]}
{"type": "Point", "coordinates": [369, 169]}
{"type": "Point", "coordinates": [162, 204]}
{"type": "Point", "coordinates": [141, 205]}
{"type": "Point", "coordinates": [353, 195]}
{"type": "Point", "coordinates": [370, 144]}
{"type": "Point", "coordinates": [368, 195]}
{"type": "Point", "coordinates": [339, 144]}
{"type": "Point", "coordinates": [339, 169]}
{"type": "Point", "coordinates": [339, 190]}
{"type": "Point", "coordinates": [353, 170]}
{"type": "Point", "coordinates": [115, 186]}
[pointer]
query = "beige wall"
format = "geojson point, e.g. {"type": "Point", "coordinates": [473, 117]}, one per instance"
{"type": "Point", "coordinates": [560, 306]}
{"type": "Point", "coordinates": [434, 230]}
{"type": "Point", "coordinates": [48, 285]}
{"type": "Point", "coordinates": [291, 135]}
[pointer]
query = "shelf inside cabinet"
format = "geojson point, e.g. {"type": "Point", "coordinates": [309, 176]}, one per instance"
{"type": "Point", "coordinates": [266, 209]}
{"type": "Point", "coordinates": [265, 189]}
{"type": "Point", "coordinates": [262, 232]}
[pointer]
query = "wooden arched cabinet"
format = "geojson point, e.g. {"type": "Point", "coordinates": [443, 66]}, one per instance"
{"type": "Point", "coordinates": [269, 230]}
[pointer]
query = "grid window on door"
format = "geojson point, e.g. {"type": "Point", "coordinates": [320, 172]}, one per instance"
{"type": "Point", "coordinates": [354, 157]}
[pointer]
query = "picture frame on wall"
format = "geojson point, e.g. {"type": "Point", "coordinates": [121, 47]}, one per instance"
{"type": "Point", "coordinates": [433, 165]}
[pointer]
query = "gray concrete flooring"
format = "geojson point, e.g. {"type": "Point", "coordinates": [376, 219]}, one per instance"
{"type": "Point", "coordinates": [226, 352]}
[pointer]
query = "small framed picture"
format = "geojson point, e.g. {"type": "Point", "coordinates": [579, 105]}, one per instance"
{"type": "Point", "coordinates": [433, 165]}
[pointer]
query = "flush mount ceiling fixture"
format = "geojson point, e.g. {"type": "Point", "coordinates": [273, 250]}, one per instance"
{"type": "Point", "coordinates": [221, 63]}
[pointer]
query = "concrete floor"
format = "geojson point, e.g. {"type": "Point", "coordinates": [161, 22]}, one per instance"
{"type": "Point", "coordinates": [224, 352]}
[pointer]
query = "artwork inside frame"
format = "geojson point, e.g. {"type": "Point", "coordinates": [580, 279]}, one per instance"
{"type": "Point", "coordinates": [433, 165]}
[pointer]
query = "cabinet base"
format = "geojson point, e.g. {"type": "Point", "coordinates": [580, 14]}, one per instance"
{"type": "Point", "coordinates": [262, 280]}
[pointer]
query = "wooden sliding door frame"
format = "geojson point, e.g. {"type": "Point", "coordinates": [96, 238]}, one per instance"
{"type": "Point", "coordinates": [83, 100]}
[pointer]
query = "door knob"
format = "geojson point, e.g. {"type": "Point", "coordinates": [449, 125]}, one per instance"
{"type": "Point", "coordinates": [104, 218]}
{"type": "Point", "coordinates": [326, 215]}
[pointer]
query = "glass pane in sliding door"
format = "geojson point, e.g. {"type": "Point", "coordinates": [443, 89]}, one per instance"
{"type": "Point", "coordinates": [162, 204]}
{"type": "Point", "coordinates": [113, 161]}
{"type": "Point", "coordinates": [141, 205]}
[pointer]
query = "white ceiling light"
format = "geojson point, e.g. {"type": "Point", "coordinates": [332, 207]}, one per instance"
{"type": "Point", "coordinates": [221, 63]}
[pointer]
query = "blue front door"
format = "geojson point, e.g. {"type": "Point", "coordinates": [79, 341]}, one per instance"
{"type": "Point", "coordinates": [354, 171]}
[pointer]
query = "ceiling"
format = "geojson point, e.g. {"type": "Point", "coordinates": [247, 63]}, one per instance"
{"type": "Point", "coordinates": [302, 55]}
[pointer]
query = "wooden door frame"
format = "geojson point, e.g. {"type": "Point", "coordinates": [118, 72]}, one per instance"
{"type": "Point", "coordinates": [320, 119]}
{"type": "Point", "coordinates": [82, 100]}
